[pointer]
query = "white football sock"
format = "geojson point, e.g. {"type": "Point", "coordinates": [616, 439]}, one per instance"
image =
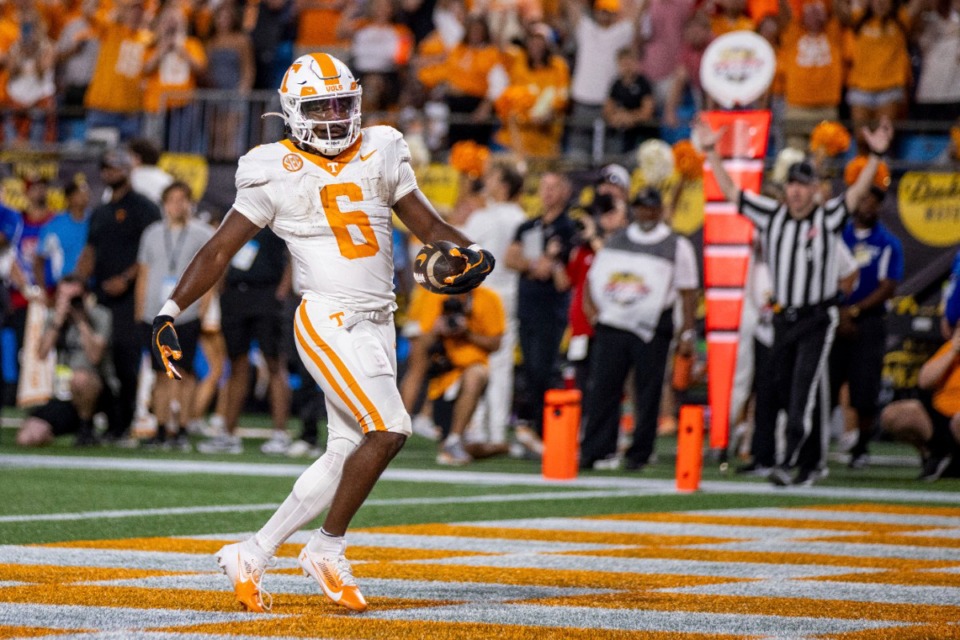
{"type": "Point", "coordinates": [312, 493]}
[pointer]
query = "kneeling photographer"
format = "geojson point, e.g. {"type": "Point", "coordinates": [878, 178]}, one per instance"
{"type": "Point", "coordinates": [452, 338]}
{"type": "Point", "coordinates": [78, 329]}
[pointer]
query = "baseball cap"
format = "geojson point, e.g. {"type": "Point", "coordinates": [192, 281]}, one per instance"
{"type": "Point", "coordinates": [802, 172]}
{"type": "Point", "coordinates": [116, 159]}
{"type": "Point", "coordinates": [648, 197]}
{"type": "Point", "coordinates": [615, 174]}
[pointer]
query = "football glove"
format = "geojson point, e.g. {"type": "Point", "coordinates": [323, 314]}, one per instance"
{"type": "Point", "coordinates": [480, 264]}
{"type": "Point", "coordinates": [166, 345]}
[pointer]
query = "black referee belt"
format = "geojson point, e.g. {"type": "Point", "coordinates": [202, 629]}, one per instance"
{"type": "Point", "coordinates": [793, 314]}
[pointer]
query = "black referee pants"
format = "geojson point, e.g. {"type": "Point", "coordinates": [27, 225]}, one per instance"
{"type": "Point", "coordinates": [615, 353]}
{"type": "Point", "coordinates": [801, 349]}
{"type": "Point", "coordinates": [763, 446]}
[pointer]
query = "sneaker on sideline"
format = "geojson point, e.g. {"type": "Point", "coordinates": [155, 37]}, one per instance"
{"type": "Point", "coordinates": [424, 427]}
{"type": "Point", "coordinates": [933, 467]}
{"type": "Point", "coordinates": [303, 449]}
{"type": "Point", "coordinates": [244, 563]}
{"type": "Point", "coordinates": [859, 461]}
{"type": "Point", "coordinates": [754, 470]}
{"type": "Point", "coordinates": [780, 477]}
{"type": "Point", "coordinates": [277, 445]}
{"type": "Point", "coordinates": [529, 438]}
{"type": "Point", "coordinates": [224, 443]}
{"type": "Point", "coordinates": [453, 454]}
{"type": "Point", "coordinates": [610, 463]}
{"type": "Point", "coordinates": [335, 577]}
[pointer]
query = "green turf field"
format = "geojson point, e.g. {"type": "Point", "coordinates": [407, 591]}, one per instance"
{"type": "Point", "coordinates": [494, 549]}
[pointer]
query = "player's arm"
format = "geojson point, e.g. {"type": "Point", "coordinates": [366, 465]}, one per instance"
{"type": "Point", "coordinates": [214, 257]}
{"type": "Point", "coordinates": [419, 216]}
{"type": "Point", "coordinates": [201, 275]}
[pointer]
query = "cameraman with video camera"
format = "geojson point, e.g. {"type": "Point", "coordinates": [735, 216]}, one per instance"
{"type": "Point", "coordinates": [452, 338]}
{"type": "Point", "coordinates": [79, 330]}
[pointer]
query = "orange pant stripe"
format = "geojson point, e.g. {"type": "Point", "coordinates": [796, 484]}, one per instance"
{"type": "Point", "coordinates": [352, 383]}
{"type": "Point", "coordinates": [329, 377]}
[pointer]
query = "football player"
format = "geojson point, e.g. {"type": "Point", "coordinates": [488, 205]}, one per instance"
{"type": "Point", "coordinates": [327, 191]}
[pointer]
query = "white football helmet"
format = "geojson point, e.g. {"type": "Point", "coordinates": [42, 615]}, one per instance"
{"type": "Point", "coordinates": [320, 99]}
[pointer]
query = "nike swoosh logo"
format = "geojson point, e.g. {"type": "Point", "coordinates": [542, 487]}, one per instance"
{"type": "Point", "coordinates": [363, 158]}
{"type": "Point", "coordinates": [333, 595]}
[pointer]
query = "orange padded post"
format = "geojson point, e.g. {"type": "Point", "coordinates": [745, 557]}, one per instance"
{"type": "Point", "coordinates": [561, 426]}
{"type": "Point", "coordinates": [689, 448]}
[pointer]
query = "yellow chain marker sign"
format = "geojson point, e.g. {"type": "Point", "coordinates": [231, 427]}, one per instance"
{"type": "Point", "coordinates": [929, 206]}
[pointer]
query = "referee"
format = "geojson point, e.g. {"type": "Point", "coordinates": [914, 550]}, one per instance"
{"type": "Point", "coordinates": [799, 242]}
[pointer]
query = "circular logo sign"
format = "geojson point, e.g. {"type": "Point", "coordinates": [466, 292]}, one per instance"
{"type": "Point", "coordinates": [737, 68]}
{"type": "Point", "coordinates": [292, 162]}
{"type": "Point", "coordinates": [930, 207]}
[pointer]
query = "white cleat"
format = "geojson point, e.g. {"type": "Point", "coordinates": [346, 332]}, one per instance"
{"type": "Point", "coordinates": [335, 577]}
{"type": "Point", "coordinates": [245, 566]}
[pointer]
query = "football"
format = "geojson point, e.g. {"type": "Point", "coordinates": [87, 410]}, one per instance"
{"type": "Point", "coordinates": [434, 263]}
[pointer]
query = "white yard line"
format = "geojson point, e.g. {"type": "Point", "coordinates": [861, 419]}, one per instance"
{"type": "Point", "coordinates": [174, 511]}
{"type": "Point", "coordinates": [473, 478]}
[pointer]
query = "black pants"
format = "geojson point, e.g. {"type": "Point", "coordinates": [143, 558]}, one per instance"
{"type": "Point", "coordinates": [858, 360]}
{"type": "Point", "coordinates": [615, 353]}
{"type": "Point", "coordinates": [763, 446]}
{"type": "Point", "coordinates": [540, 343]}
{"type": "Point", "coordinates": [800, 352]}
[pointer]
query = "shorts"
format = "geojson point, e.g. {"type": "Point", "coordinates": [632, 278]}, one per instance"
{"type": "Point", "coordinates": [188, 334]}
{"type": "Point", "coordinates": [875, 99]}
{"type": "Point", "coordinates": [355, 366]}
{"type": "Point", "coordinates": [61, 415]}
{"type": "Point", "coordinates": [251, 314]}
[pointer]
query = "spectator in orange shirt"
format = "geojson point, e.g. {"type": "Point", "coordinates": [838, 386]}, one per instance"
{"type": "Point", "coordinates": [30, 87]}
{"type": "Point", "coordinates": [77, 51]}
{"type": "Point", "coordinates": [731, 16]}
{"type": "Point", "coordinates": [876, 50]}
{"type": "Point", "coordinates": [114, 98]}
{"type": "Point", "coordinates": [317, 22]}
{"type": "Point", "coordinates": [470, 79]}
{"type": "Point", "coordinates": [380, 49]}
{"type": "Point", "coordinates": [172, 67]}
{"type": "Point", "coordinates": [811, 63]}
{"type": "Point", "coordinates": [537, 67]}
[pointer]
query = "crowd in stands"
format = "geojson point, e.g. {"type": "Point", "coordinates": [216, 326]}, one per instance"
{"type": "Point", "coordinates": [515, 74]}
{"type": "Point", "coordinates": [529, 78]}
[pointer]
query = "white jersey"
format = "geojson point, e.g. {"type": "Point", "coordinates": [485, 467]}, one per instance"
{"type": "Point", "coordinates": [333, 213]}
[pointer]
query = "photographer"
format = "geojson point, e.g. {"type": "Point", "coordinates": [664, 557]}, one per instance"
{"type": "Point", "coordinates": [79, 330]}
{"type": "Point", "coordinates": [452, 339]}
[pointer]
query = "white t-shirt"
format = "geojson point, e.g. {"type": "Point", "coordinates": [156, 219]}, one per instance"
{"type": "Point", "coordinates": [595, 68]}
{"type": "Point", "coordinates": [150, 181]}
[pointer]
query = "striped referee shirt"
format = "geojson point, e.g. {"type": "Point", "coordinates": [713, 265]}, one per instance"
{"type": "Point", "coordinates": [801, 254]}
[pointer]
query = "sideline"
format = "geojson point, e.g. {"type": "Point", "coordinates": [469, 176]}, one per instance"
{"type": "Point", "coordinates": [441, 476]}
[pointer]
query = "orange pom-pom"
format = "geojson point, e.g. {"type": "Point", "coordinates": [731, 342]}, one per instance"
{"type": "Point", "coordinates": [830, 138]}
{"type": "Point", "coordinates": [688, 160]}
{"type": "Point", "coordinates": [855, 166]}
{"type": "Point", "coordinates": [955, 138]}
{"type": "Point", "coordinates": [516, 100]}
{"type": "Point", "coordinates": [469, 157]}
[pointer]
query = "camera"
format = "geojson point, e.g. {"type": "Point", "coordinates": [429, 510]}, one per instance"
{"type": "Point", "coordinates": [454, 312]}
{"type": "Point", "coordinates": [76, 302]}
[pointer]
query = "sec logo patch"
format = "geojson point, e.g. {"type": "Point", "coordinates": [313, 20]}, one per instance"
{"type": "Point", "coordinates": [292, 162]}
